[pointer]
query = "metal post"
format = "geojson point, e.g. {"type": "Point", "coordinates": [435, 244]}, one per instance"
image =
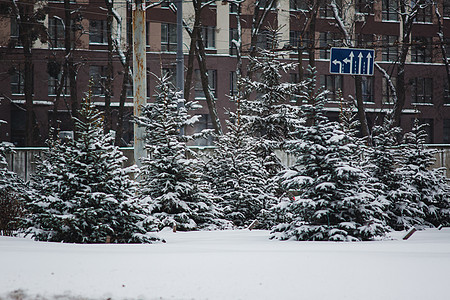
{"type": "Point", "coordinates": [180, 58]}
{"type": "Point", "coordinates": [139, 75]}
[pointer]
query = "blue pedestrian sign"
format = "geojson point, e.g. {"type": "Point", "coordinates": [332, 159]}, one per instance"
{"type": "Point", "coordinates": [352, 61]}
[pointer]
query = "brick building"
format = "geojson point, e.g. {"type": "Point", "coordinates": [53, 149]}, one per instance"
{"type": "Point", "coordinates": [376, 26]}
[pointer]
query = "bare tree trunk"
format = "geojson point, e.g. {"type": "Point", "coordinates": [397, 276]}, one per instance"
{"type": "Point", "coordinates": [69, 59]}
{"type": "Point", "coordinates": [201, 59]}
{"type": "Point", "coordinates": [109, 67]}
{"type": "Point", "coordinates": [191, 57]}
{"type": "Point", "coordinates": [123, 96]}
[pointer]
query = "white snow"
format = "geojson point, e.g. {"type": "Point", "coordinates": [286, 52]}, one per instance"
{"type": "Point", "coordinates": [235, 264]}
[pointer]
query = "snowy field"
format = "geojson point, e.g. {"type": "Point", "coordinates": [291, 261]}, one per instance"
{"type": "Point", "coordinates": [229, 265]}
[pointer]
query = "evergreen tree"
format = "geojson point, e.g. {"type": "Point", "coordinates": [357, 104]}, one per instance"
{"type": "Point", "coordinates": [13, 192]}
{"type": "Point", "coordinates": [239, 177]}
{"type": "Point", "coordinates": [332, 202]}
{"type": "Point", "coordinates": [423, 195]}
{"type": "Point", "coordinates": [170, 176]}
{"type": "Point", "coordinates": [83, 194]}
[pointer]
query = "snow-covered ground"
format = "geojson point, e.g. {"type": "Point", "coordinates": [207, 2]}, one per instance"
{"type": "Point", "coordinates": [229, 265]}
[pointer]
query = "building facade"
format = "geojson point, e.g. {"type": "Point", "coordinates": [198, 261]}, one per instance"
{"type": "Point", "coordinates": [375, 25]}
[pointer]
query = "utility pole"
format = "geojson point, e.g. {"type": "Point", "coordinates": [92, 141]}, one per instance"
{"type": "Point", "coordinates": [139, 75]}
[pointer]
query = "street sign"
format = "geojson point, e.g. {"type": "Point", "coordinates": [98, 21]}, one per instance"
{"type": "Point", "coordinates": [352, 61]}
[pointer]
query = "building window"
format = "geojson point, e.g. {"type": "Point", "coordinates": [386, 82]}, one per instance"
{"type": "Point", "coordinates": [233, 83]}
{"type": "Point", "coordinates": [428, 128]}
{"type": "Point", "coordinates": [298, 5]}
{"type": "Point", "coordinates": [212, 82]}
{"type": "Point", "coordinates": [332, 83]}
{"type": "Point", "coordinates": [17, 80]}
{"type": "Point", "coordinates": [209, 36]}
{"type": "Point", "coordinates": [294, 79]}
{"type": "Point", "coordinates": [389, 10]}
{"type": "Point", "coordinates": [97, 75]}
{"type": "Point", "coordinates": [171, 73]}
{"type": "Point", "coordinates": [326, 11]}
{"type": "Point", "coordinates": [446, 92]}
{"type": "Point", "coordinates": [446, 8]}
{"type": "Point", "coordinates": [421, 49]}
{"type": "Point", "coordinates": [14, 35]}
{"type": "Point", "coordinates": [54, 83]}
{"type": "Point", "coordinates": [234, 35]}
{"type": "Point", "coordinates": [326, 41]}
{"type": "Point", "coordinates": [364, 6]}
{"type": "Point", "coordinates": [296, 40]}
{"type": "Point", "coordinates": [56, 32]}
{"type": "Point", "coordinates": [367, 89]}
{"type": "Point", "coordinates": [234, 8]}
{"type": "Point", "coordinates": [167, 3]}
{"type": "Point", "coordinates": [388, 94]}
{"type": "Point", "coordinates": [97, 32]}
{"type": "Point", "coordinates": [389, 51]}
{"type": "Point", "coordinates": [262, 42]}
{"type": "Point", "coordinates": [446, 131]}
{"type": "Point", "coordinates": [422, 90]}
{"type": "Point", "coordinates": [424, 14]}
{"type": "Point", "coordinates": [168, 37]}
{"type": "Point", "coordinates": [203, 123]}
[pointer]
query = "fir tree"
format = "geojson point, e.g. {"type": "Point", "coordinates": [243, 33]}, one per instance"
{"type": "Point", "coordinates": [331, 201]}
{"type": "Point", "coordinates": [13, 192]}
{"type": "Point", "coordinates": [170, 176]}
{"type": "Point", "coordinates": [83, 194]}
{"type": "Point", "coordinates": [422, 197]}
{"type": "Point", "coordinates": [239, 177]}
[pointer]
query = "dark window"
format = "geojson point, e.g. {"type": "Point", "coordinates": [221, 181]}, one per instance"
{"type": "Point", "coordinates": [388, 96]}
{"type": "Point", "coordinates": [212, 82]}
{"type": "Point", "coordinates": [262, 41]}
{"type": "Point", "coordinates": [446, 92]}
{"type": "Point", "coordinates": [421, 49]}
{"type": "Point", "coordinates": [446, 137]}
{"type": "Point", "coordinates": [428, 128]}
{"type": "Point", "coordinates": [97, 75]}
{"type": "Point", "coordinates": [364, 6]}
{"type": "Point", "coordinates": [389, 51]}
{"type": "Point", "coordinates": [167, 3]}
{"type": "Point", "coordinates": [54, 83]}
{"type": "Point", "coordinates": [168, 37]}
{"type": "Point", "coordinates": [203, 123]}
{"type": "Point", "coordinates": [326, 41]}
{"type": "Point", "coordinates": [172, 74]}
{"type": "Point", "coordinates": [332, 83]}
{"type": "Point", "coordinates": [56, 32]}
{"type": "Point", "coordinates": [234, 8]}
{"type": "Point", "coordinates": [326, 10]}
{"type": "Point", "coordinates": [298, 5]}
{"type": "Point", "coordinates": [424, 14]}
{"type": "Point", "coordinates": [294, 78]}
{"type": "Point", "coordinates": [14, 35]}
{"type": "Point", "coordinates": [209, 36]}
{"type": "Point", "coordinates": [422, 90]}
{"type": "Point", "coordinates": [446, 8]}
{"type": "Point", "coordinates": [233, 83]}
{"type": "Point", "coordinates": [367, 88]}
{"type": "Point", "coordinates": [390, 10]}
{"type": "Point", "coordinates": [97, 32]}
{"type": "Point", "coordinates": [297, 40]}
{"type": "Point", "coordinates": [18, 80]}
{"type": "Point", "coordinates": [233, 36]}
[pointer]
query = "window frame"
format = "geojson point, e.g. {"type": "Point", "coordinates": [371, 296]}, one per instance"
{"type": "Point", "coordinates": [97, 34]}
{"type": "Point", "coordinates": [168, 37]}
{"type": "Point", "coordinates": [422, 91]}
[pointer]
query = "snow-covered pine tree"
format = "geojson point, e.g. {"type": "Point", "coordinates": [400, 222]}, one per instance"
{"type": "Point", "coordinates": [423, 196]}
{"type": "Point", "coordinates": [13, 192]}
{"type": "Point", "coordinates": [331, 203]}
{"type": "Point", "coordinates": [238, 175]}
{"type": "Point", "coordinates": [83, 194]}
{"type": "Point", "coordinates": [170, 176]}
{"type": "Point", "coordinates": [270, 115]}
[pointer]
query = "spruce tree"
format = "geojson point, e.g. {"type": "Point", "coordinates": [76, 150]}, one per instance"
{"type": "Point", "coordinates": [83, 194]}
{"type": "Point", "coordinates": [331, 201]}
{"type": "Point", "coordinates": [170, 176]}
{"type": "Point", "coordinates": [13, 192]}
{"type": "Point", "coordinates": [238, 175]}
{"type": "Point", "coordinates": [422, 197]}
